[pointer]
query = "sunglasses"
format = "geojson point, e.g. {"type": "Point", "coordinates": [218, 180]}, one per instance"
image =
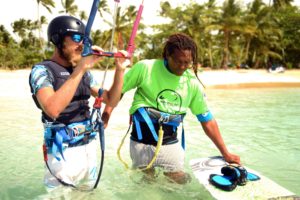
{"type": "Point", "coordinates": [76, 37]}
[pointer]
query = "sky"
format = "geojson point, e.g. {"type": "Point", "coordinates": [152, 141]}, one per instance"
{"type": "Point", "coordinates": [13, 10]}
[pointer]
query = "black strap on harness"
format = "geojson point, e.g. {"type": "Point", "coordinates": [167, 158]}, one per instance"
{"type": "Point", "coordinates": [151, 118]}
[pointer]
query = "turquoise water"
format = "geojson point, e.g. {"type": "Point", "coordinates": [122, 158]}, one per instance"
{"type": "Point", "coordinates": [261, 125]}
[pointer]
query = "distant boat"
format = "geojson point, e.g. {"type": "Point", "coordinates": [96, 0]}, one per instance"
{"type": "Point", "coordinates": [278, 69]}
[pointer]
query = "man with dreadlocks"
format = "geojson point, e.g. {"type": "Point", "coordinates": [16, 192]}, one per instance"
{"type": "Point", "coordinates": [165, 89]}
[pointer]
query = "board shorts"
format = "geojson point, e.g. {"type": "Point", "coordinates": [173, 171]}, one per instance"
{"type": "Point", "coordinates": [78, 168]}
{"type": "Point", "coordinates": [170, 157]}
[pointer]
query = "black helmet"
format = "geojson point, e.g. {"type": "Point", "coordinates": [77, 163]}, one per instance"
{"type": "Point", "coordinates": [60, 26]}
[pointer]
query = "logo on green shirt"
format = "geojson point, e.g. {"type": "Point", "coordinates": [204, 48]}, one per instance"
{"type": "Point", "coordinates": [169, 101]}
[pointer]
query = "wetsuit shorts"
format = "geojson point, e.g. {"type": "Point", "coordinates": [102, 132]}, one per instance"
{"type": "Point", "coordinates": [170, 157]}
{"type": "Point", "coordinates": [78, 168]}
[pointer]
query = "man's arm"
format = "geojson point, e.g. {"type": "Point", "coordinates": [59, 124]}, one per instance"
{"type": "Point", "coordinates": [112, 96]}
{"type": "Point", "coordinates": [212, 131]}
{"type": "Point", "coordinates": [54, 102]}
{"type": "Point", "coordinates": [106, 115]}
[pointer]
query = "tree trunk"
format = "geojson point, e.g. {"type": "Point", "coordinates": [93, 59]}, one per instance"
{"type": "Point", "coordinates": [224, 63]}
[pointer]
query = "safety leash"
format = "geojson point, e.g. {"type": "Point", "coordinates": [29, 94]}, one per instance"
{"type": "Point", "coordinates": [120, 147]}
{"type": "Point", "coordinates": [158, 146]}
{"type": "Point", "coordinates": [111, 39]}
{"type": "Point", "coordinates": [163, 119]}
{"type": "Point", "coordinates": [100, 125]}
{"type": "Point", "coordinates": [87, 50]}
{"type": "Point", "coordinates": [47, 165]}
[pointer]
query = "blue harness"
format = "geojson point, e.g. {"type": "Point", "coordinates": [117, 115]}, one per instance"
{"type": "Point", "coordinates": [150, 116]}
{"type": "Point", "coordinates": [59, 136]}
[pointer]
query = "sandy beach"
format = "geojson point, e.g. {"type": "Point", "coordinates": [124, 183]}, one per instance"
{"type": "Point", "coordinates": [223, 79]}
{"type": "Point", "coordinates": [15, 83]}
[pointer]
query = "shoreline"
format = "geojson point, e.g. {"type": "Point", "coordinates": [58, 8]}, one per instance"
{"type": "Point", "coordinates": [212, 79]}
{"type": "Point", "coordinates": [254, 85]}
{"type": "Point", "coordinates": [248, 78]}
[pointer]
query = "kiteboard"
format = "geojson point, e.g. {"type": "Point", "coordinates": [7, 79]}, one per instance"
{"type": "Point", "coordinates": [264, 188]}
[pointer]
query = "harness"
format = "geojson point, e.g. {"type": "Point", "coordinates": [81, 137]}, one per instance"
{"type": "Point", "coordinates": [58, 137]}
{"type": "Point", "coordinates": [152, 116]}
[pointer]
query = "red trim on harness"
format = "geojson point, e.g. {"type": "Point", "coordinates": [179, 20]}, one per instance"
{"type": "Point", "coordinates": [98, 102]}
{"type": "Point", "coordinates": [45, 152]}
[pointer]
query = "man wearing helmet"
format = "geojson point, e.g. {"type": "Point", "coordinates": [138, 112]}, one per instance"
{"type": "Point", "coordinates": [61, 88]}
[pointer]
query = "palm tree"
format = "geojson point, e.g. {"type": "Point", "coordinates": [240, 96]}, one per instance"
{"type": "Point", "coordinates": [103, 8]}
{"type": "Point", "coordinates": [182, 19]}
{"type": "Point", "coordinates": [24, 29]}
{"type": "Point", "coordinates": [265, 41]}
{"type": "Point", "coordinates": [282, 3]}
{"type": "Point", "coordinates": [48, 4]}
{"type": "Point", "coordinates": [192, 23]}
{"type": "Point", "coordinates": [82, 15]}
{"type": "Point", "coordinates": [254, 16]}
{"type": "Point", "coordinates": [208, 17]}
{"type": "Point", "coordinates": [20, 27]}
{"type": "Point", "coordinates": [123, 26]}
{"type": "Point", "coordinates": [289, 24]}
{"type": "Point", "coordinates": [230, 22]}
{"type": "Point", "coordinates": [5, 37]}
{"type": "Point", "coordinates": [69, 7]}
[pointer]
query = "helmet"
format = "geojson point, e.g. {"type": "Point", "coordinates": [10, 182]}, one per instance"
{"type": "Point", "coordinates": [61, 25]}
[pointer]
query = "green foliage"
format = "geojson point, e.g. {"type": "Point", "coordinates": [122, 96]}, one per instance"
{"type": "Point", "coordinates": [290, 25]}
{"type": "Point", "coordinates": [69, 7]}
{"type": "Point", "coordinates": [227, 35]}
{"type": "Point", "coordinates": [289, 65]}
{"type": "Point", "coordinates": [10, 57]}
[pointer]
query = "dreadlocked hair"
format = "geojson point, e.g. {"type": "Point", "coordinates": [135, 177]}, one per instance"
{"type": "Point", "coordinates": [182, 42]}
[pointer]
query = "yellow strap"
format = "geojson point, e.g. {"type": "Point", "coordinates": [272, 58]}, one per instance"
{"type": "Point", "coordinates": [158, 146]}
{"type": "Point", "coordinates": [119, 152]}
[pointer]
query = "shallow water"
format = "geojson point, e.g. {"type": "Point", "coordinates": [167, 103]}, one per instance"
{"type": "Point", "coordinates": [261, 125]}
